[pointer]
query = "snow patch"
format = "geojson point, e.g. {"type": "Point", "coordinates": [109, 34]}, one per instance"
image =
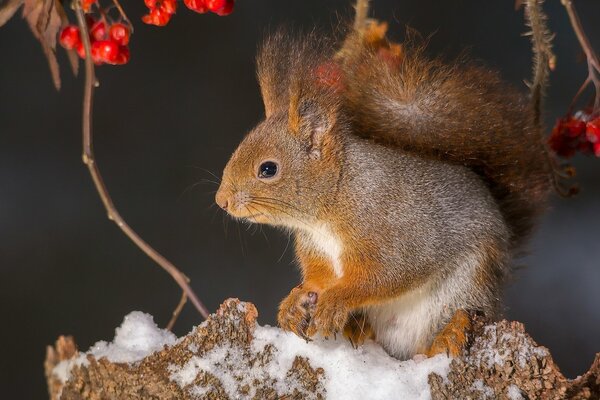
{"type": "Point", "coordinates": [497, 349]}
{"type": "Point", "coordinates": [136, 338]}
{"type": "Point", "coordinates": [514, 393]}
{"type": "Point", "coordinates": [486, 391]}
{"type": "Point", "coordinates": [366, 372]}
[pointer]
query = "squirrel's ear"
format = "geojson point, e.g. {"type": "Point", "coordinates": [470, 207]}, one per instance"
{"type": "Point", "coordinates": [311, 121]}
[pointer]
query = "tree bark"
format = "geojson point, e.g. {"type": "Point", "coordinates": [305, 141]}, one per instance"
{"type": "Point", "coordinates": [502, 362]}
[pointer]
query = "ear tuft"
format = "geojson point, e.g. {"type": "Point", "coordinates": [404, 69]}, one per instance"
{"type": "Point", "coordinates": [311, 121]}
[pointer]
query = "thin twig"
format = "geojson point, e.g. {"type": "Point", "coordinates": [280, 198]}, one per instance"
{"type": "Point", "coordinates": [89, 161]}
{"type": "Point", "coordinates": [543, 58]}
{"type": "Point", "coordinates": [541, 41]}
{"type": "Point", "coordinates": [177, 311]}
{"type": "Point", "coordinates": [122, 12]}
{"type": "Point", "coordinates": [593, 62]}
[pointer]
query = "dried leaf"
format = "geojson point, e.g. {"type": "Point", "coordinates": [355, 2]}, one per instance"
{"type": "Point", "coordinates": [8, 9]}
{"type": "Point", "coordinates": [44, 20]}
{"type": "Point", "coordinates": [71, 54]}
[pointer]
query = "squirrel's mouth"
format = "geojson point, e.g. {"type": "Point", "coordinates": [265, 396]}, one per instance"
{"type": "Point", "coordinates": [253, 217]}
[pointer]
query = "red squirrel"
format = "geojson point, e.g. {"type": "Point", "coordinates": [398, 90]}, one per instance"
{"type": "Point", "coordinates": [408, 183]}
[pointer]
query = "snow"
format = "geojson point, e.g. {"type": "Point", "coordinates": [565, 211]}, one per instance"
{"type": "Point", "coordinates": [497, 349]}
{"type": "Point", "coordinates": [514, 393]}
{"type": "Point", "coordinates": [486, 392]}
{"type": "Point", "coordinates": [349, 373]}
{"type": "Point", "coordinates": [366, 372]}
{"type": "Point", "coordinates": [137, 337]}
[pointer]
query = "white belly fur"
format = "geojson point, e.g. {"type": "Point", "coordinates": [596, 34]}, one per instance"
{"type": "Point", "coordinates": [407, 324]}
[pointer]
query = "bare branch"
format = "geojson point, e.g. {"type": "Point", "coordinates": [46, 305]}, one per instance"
{"type": "Point", "coordinates": [122, 12]}
{"type": "Point", "coordinates": [89, 160]}
{"type": "Point", "coordinates": [593, 62]}
{"type": "Point", "coordinates": [543, 58]}
{"type": "Point", "coordinates": [177, 311]}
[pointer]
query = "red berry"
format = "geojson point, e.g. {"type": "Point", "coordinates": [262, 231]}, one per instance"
{"type": "Point", "coordinates": [80, 50]}
{"type": "Point", "coordinates": [215, 5]}
{"type": "Point", "coordinates": [123, 56]}
{"type": "Point", "coordinates": [196, 5]}
{"type": "Point", "coordinates": [227, 8]}
{"type": "Point", "coordinates": [169, 6]}
{"type": "Point", "coordinates": [70, 37]}
{"type": "Point", "coordinates": [105, 51]}
{"type": "Point", "coordinates": [157, 17]}
{"type": "Point", "coordinates": [119, 33]}
{"type": "Point", "coordinates": [597, 149]}
{"type": "Point", "coordinates": [98, 31]}
{"type": "Point", "coordinates": [160, 12]}
{"type": "Point", "coordinates": [593, 130]}
{"type": "Point", "coordinates": [574, 126]}
{"type": "Point", "coordinates": [561, 141]}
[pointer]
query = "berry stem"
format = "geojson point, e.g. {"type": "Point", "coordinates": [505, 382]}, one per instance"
{"type": "Point", "coordinates": [123, 15]}
{"type": "Point", "coordinates": [593, 62]}
{"type": "Point", "coordinates": [89, 161]}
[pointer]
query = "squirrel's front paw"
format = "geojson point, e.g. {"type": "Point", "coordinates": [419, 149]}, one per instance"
{"type": "Point", "coordinates": [329, 318]}
{"type": "Point", "coordinates": [295, 311]}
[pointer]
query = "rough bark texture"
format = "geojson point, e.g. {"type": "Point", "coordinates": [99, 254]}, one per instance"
{"type": "Point", "coordinates": [503, 362]}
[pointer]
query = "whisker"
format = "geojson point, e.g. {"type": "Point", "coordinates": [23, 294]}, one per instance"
{"type": "Point", "coordinates": [278, 201]}
{"type": "Point", "coordinates": [279, 209]}
{"type": "Point", "coordinates": [241, 240]}
{"type": "Point", "coordinates": [286, 247]}
{"type": "Point", "coordinates": [211, 173]}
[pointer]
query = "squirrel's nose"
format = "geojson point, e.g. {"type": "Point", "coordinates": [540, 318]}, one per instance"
{"type": "Point", "coordinates": [221, 200]}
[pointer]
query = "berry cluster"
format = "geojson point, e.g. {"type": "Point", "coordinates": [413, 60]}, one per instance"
{"type": "Point", "coordinates": [219, 7]}
{"type": "Point", "coordinates": [161, 11]}
{"type": "Point", "coordinates": [109, 43]}
{"type": "Point", "coordinates": [578, 132]}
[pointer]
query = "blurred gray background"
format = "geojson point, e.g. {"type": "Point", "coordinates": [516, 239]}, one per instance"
{"type": "Point", "coordinates": [169, 120]}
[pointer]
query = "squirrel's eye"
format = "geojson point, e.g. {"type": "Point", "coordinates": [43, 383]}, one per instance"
{"type": "Point", "coordinates": [267, 170]}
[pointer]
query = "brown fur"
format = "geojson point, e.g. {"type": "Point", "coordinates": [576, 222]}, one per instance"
{"type": "Point", "coordinates": [460, 112]}
{"type": "Point", "coordinates": [378, 225]}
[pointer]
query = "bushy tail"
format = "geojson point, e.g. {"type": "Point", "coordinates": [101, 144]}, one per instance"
{"type": "Point", "coordinates": [460, 112]}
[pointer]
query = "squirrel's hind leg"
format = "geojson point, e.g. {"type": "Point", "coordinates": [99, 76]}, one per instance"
{"type": "Point", "coordinates": [452, 339]}
{"type": "Point", "coordinates": [358, 329]}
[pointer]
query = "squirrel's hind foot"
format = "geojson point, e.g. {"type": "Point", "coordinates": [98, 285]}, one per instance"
{"type": "Point", "coordinates": [452, 339]}
{"type": "Point", "coordinates": [358, 329]}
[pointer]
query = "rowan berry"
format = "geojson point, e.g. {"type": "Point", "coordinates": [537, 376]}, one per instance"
{"type": "Point", "coordinates": [198, 6]}
{"type": "Point", "coordinates": [123, 56]}
{"type": "Point", "coordinates": [70, 37]}
{"type": "Point", "coordinates": [119, 33]}
{"type": "Point", "coordinates": [226, 9]}
{"type": "Point", "coordinates": [157, 17]}
{"type": "Point", "coordinates": [160, 11]}
{"type": "Point", "coordinates": [105, 51]}
{"type": "Point", "coordinates": [215, 5]}
{"type": "Point", "coordinates": [98, 31]}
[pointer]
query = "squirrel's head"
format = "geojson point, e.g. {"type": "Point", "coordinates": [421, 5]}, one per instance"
{"type": "Point", "coordinates": [286, 169]}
